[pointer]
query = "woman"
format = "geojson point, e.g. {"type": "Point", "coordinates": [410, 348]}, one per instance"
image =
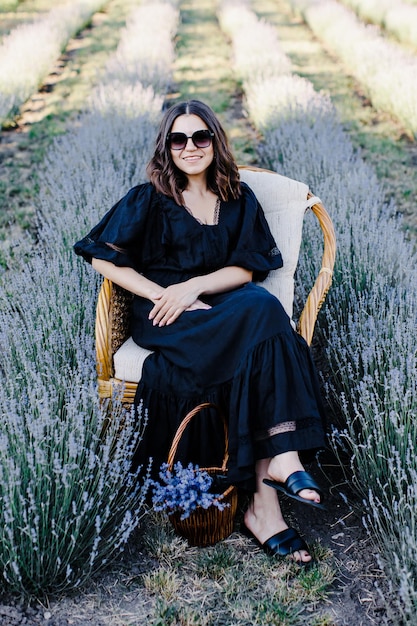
{"type": "Point", "coordinates": [189, 245]}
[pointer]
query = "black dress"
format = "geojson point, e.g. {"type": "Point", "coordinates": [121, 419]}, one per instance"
{"type": "Point", "coordinates": [242, 354]}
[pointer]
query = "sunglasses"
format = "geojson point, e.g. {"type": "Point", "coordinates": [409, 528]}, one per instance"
{"type": "Point", "coordinates": [200, 138]}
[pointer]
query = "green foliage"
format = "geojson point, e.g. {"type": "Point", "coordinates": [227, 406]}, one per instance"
{"type": "Point", "coordinates": [276, 613]}
{"type": "Point", "coordinates": [215, 563]}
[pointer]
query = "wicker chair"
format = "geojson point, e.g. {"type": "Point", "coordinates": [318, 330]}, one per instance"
{"type": "Point", "coordinates": [119, 360]}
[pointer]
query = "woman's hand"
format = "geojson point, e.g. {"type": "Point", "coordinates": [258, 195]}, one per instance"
{"type": "Point", "coordinates": [174, 300]}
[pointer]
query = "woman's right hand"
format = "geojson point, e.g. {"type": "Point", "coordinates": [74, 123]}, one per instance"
{"type": "Point", "coordinates": [174, 300]}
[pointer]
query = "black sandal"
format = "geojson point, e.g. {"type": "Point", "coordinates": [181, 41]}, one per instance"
{"type": "Point", "coordinates": [282, 544]}
{"type": "Point", "coordinates": [296, 482]}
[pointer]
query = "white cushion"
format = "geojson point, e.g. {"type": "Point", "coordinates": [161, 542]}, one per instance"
{"type": "Point", "coordinates": [284, 202]}
{"type": "Point", "coordinates": [128, 361]}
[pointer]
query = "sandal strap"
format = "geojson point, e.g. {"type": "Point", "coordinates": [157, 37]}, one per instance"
{"type": "Point", "coordinates": [298, 481]}
{"type": "Point", "coordinates": [284, 543]}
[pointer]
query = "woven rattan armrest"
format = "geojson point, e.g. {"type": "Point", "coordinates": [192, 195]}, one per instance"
{"type": "Point", "coordinates": [318, 292]}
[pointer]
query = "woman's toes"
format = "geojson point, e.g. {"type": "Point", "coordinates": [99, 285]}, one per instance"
{"type": "Point", "coordinates": [309, 494]}
{"type": "Point", "coordinates": [301, 556]}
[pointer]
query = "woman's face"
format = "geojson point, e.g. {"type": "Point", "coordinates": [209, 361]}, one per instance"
{"type": "Point", "coordinates": [191, 160]}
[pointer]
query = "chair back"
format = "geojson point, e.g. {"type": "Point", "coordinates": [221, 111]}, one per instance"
{"type": "Point", "coordinates": [284, 202]}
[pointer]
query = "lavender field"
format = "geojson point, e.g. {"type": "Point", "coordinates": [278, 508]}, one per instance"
{"type": "Point", "coordinates": [79, 120]}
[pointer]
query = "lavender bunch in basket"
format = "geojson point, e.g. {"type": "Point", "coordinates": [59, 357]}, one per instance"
{"type": "Point", "coordinates": [183, 489]}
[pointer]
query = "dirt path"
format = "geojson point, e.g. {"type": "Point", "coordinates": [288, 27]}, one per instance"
{"type": "Point", "coordinates": [356, 600]}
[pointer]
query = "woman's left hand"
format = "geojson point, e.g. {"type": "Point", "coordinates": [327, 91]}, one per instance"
{"type": "Point", "coordinates": [174, 300]}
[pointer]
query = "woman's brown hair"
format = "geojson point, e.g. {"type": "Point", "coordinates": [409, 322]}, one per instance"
{"type": "Point", "coordinates": [223, 175]}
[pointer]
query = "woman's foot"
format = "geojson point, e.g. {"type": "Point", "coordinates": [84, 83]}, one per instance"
{"type": "Point", "coordinates": [263, 527]}
{"type": "Point", "coordinates": [263, 517]}
{"type": "Point", "coordinates": [283, 465]}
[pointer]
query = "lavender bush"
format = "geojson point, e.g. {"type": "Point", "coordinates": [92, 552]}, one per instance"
{"type": "Point", "coordinates": [366, 330]}
{"type": "Point", "coordinates": [184, 489]}
{"type": "Point", "coordinates": [252, 56]}
{"type": "Point", "coordinates": [24, 63]}
{"type": "Point", "coordinates": [145, 53]}
{"type": "Point", "coordinates": [398, 18]}
{"type": "Point", "coordinates": [68, 498]}
{"type": "Point", "coordinates": [109, 150]}
{"type": "Point", "coordinates": [386, 71]}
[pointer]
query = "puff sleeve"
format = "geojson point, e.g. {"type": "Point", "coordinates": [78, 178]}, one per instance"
{"type": "Point", "coordinates": [254, 248]}
{"type": "Point", "coordinates": [120, 236]}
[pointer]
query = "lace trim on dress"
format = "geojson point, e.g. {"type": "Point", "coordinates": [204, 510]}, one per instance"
{"type": "Point", "coordinates": [216, 214]}
{"type": "Point", "coordinates": [284, 427]}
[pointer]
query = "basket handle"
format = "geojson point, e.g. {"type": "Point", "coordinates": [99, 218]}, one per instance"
{"type": "Point", "coordinates": [187, 419]}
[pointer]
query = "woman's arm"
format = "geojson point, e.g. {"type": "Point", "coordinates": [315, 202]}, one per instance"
{"type": "Point", "coordinates": [129, 279]}
{"type": "Point", "coordinates": [137, 284]}
{"type": "Point", "coordinates": [175, 299]}
{"type": "Point", "coordinates": [222, 280]}
{"type": "Point", "coordinates": [181, 297]}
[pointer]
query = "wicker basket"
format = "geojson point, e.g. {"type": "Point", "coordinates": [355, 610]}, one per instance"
{"type": "Point", "coordinates": [205, 527]}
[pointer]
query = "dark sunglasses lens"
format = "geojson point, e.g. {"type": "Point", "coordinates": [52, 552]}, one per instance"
{"type": "Point", "coordinates": [202, 138]}
{"type": "Point", "coordinates": [178, 141]}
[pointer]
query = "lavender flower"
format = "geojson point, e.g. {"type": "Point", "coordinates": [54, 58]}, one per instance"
{"type": "Point", "coordinates": [184, 489]}
{"type": "Point", "coordinates": [385, 69]}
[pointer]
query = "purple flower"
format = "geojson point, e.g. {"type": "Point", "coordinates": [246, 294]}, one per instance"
{"type": "Point", "coordinates": [184, 489]}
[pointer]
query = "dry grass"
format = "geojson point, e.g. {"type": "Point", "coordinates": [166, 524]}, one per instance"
{"type": "Point", "coordinates": [162, 581]}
